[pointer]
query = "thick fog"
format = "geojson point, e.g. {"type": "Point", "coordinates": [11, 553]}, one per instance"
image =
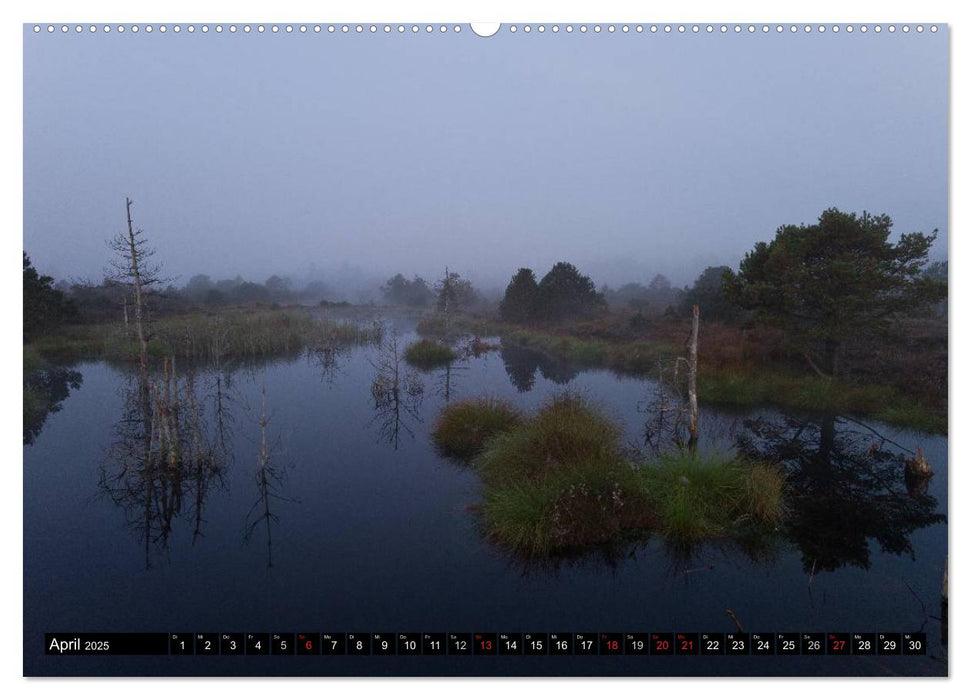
{"type": "Point", "coordinates": [349, 158]}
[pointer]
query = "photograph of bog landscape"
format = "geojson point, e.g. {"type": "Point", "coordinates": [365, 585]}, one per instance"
{"type": "Point", "coordinates": [574, 349]}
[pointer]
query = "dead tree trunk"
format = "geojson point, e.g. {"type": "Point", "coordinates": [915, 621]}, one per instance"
{"type": "Point", "coordinates": [137, 284]}
{"type": "Point", "coordinates": [693, 380]}
{"type": "Point", "coordinates": [446, 293]}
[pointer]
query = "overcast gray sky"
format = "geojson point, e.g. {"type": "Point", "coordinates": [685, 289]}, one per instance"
{"type": "Point", "coordinates": [628, 155]}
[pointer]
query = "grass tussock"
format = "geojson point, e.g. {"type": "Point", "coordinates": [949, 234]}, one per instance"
{"type": "Point", "coordinates": [712, 496]}
{"type": "Point", "coordinates": [429, 354]}
{"type": "Point", "coordinates": [567, 432]}
{"type": "Point", "coordinates": [559, 482]}
{"type": "Point", "coordinates": [574, 508]}
{"type": "Point", "coordinates": [464, 428]}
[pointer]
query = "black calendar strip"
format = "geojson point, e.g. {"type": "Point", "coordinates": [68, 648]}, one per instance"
{"type": "Point", "coordinates": [488, 644]}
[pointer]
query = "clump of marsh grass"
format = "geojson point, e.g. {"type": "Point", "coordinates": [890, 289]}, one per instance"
{"type": "Point", "coordinates": [567, 431]}
{"type": "Point", "coordinates": [464, 428]}
{"type": "Point", "coordinates": [560, 481]}
{"type": "Point", "coordinates": [578, 507]}
{"type": "Point", "coordinates": [762, 498]}
{"type": "Point", "coordinates": [429, 354]}
{"type": "Point", "coordinates": [711, 496]}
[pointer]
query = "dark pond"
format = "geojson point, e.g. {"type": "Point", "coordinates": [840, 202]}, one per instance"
{"type": "Point", "coordinates": [357, 525]}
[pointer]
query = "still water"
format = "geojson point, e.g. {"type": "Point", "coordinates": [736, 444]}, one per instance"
{"type": "Point", "coordinates": [357, 525]}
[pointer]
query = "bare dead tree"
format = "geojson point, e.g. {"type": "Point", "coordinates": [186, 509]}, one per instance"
{"type": "Point", "coordinates": [133, 268]}
{"type": "Point", "coordinates": [445, 298]}
{"type": "Point", "coordinates": [666, 409]}
{"type": "Point", "coordinates": [693, 379]}
{"type": "Point", "coordinates": [670, 409]}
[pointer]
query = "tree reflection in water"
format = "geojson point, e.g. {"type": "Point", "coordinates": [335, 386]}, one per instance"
{"type": "Point", "coordinates": [269, 477]}
{"type": "Point", "coordinates": [397, 393]}
{"type": "Point", "coordinates": [845, 486]}
{"type": "Point", "coordinates": [163, 455]}
{"type": "Point", "coordinates": [45, 390]}
{"type": "Point", "coordinates": [328, 360]}
{"type": "Point", "coordinates": [522, 364]}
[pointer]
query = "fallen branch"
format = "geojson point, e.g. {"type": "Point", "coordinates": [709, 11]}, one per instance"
{"type": "Point", "coordinates": [731, 614]}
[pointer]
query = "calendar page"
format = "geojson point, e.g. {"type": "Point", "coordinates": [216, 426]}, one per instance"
{"type": "Point", "coordinates": [517, 349]}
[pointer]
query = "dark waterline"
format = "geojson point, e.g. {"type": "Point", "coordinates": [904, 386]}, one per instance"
{"type": "Point", "coordinates": [372, 531]}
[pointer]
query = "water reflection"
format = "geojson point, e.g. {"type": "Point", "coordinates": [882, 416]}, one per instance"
{"type": "Point", "coordinates": [633, 566]}
{"type": "Point", "coordinates": [845, 486]}
{"type": "Point", "coordinates": [44, 392]}
{"type": "Point", "coordinates": [522, 364]}
{"type": "Point", "coordinates": [445, 381]}
{"type": "Point", "coordinates": [223, 402]}
{"type": "Point", "coordinates": [329, 361]}
{"type": "Point", "coordinates": [163, 455]}
{"type": "Point", "coordinates": [666, 426]}
{"type": "Point", "coordinates": [269, 476]}
{"type": "Point", "coordinates": [396, 391]}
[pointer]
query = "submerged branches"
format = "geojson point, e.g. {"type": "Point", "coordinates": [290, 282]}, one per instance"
{"type": "Point", "coordinates": [269, 478]}
{"type": "Point", "coordinates": [672, 412]}
{"type": "Point", "coordinates": [397, 393]}
{"type": "Point", "coordinates": [163, 454]}
{"type": "Point", "coordinates": [668, 410]}
{"type": "Point", "coordinates": [328, 360]}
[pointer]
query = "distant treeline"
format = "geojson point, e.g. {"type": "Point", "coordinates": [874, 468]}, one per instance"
{"type": "Point", "coordinates": [565, 293]}
{"type": "Point", "coordinates": [778, 282]}
{"type": "Point", "coordinates": [105, 300]}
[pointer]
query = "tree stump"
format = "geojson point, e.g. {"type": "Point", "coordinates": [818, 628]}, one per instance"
{"type": "Point", "coordinates": [918, 467]}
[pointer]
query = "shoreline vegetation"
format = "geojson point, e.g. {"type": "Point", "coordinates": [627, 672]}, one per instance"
{"type": "Point", "coordinates": [744, 368]}
{"type": "Point", "coordinates": [738, 367]}
{"type": "Point", "coordinates": [826, 317]}
{"type": "Point", "coordinates": [559, 481]}
{"type": "Point", "coordinates": [223, 335]}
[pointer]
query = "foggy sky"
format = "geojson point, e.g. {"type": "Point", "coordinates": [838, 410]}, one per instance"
{"type": "Point", "coordinates": [627, 155]}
